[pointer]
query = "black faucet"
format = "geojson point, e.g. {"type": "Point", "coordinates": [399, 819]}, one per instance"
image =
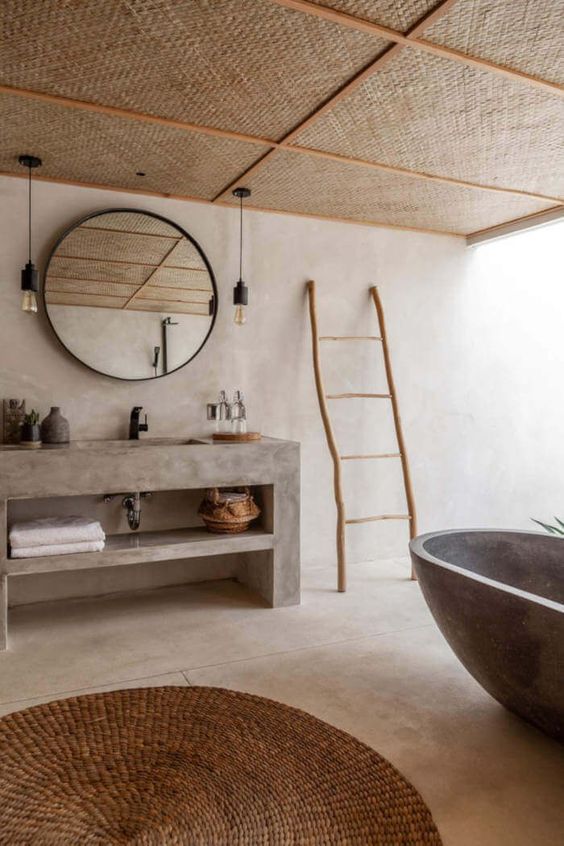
{"type": "Point", "coordinates": [134, 425]}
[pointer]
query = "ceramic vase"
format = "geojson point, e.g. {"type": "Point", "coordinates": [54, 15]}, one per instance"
{"type": "Point", "coordinates": [55, 428]}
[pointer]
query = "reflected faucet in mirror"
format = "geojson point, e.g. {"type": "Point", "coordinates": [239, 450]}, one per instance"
{"type": "Point", "coordinates": [156, 353]}
{"type": "Point", "coordinates": [134, 425]}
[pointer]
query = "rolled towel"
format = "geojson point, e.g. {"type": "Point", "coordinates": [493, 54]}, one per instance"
{"type": "Point", "coordinates": [55, 530]}
{"type": "Point", "coordinates": [57, 549]}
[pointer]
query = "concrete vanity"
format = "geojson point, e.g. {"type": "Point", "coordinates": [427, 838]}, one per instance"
{"type": "Point", "coordinates": [267, 556]}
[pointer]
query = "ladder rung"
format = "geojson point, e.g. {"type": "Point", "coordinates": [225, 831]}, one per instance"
{"type": "Point", "coordinates": [350, 338]}
{"type": "Point", "coordinates": [374, 455]}
{"type": "Point", "coordinates": [380, 517]}
{"type": "Point", "coordinates": [350, 396]}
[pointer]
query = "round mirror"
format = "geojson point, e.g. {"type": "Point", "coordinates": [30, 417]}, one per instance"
{"type": "Point", "coordinates": [130, 294]}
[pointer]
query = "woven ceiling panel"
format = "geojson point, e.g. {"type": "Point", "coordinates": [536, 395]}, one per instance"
{"type": "Point", "coordinates": [523, 34]}
{"type": "Point", "coordinates": [132, 221]}
{"type": "Point", "coordinates": [129, 253]}
{"type": "Point", "coordinates": [171, 308]}
{"type": "Point", "coordinates": [296, 183]}
{"type": "Point", "coordinates": [397, 14]}
{"type": "Point", "coordinates": [52, 298]}
{"type": "Point", "coordinates": [186, 255]}
{"type": "Point", "coordinates": [174, 295]}
{"type": "Point", "coordinates": [98, 271]}
{"type": "Point", "coordinates": [97, 244]}
{"type": "Point", "coordinates": [89, 147]}
{"type": "Point", "coordinates": [109, 297]}
{"type": "Point", "coordinates": [81, 286]}
{"type": "Point", "coordinates": [173, 58]}
{"type": "Point", "coordinates": [429, 114]}
{"type": "Point", "coordinates": [174, 277]}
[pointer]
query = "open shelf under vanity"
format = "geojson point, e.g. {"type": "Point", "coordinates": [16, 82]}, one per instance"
{"type": "Point", "coordinates": [164, 545]}
{"type": "Point", "coordinates": [96, 480]}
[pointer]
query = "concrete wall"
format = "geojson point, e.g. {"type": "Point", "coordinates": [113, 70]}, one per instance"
{"type": "Point", "coordinates": [474, 348]}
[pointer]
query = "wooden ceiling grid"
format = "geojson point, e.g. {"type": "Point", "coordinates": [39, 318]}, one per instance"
{"type": "Point", "coordinates": [157, 270]}
{"type": "Point", "coordinates": [456, 131]}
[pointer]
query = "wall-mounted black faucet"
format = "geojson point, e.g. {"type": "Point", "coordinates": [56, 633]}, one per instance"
{"type": "Point", "coordinates": [134, 425]}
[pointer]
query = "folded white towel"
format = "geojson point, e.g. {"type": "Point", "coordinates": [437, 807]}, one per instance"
{"type": "Point", "coordinates": [57, 530]}
{"type": "Point", "coordinates": [57, 549]}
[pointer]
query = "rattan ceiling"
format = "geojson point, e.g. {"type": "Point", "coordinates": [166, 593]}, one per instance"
{"type": "Point", "coordinates": [345, 190]}
{"type": "Point", "coordinates": [130, 261]}
{"type": "Point", "coordinates": [89, 147]}
{"type": "Point", "coordinates": [522, 34]}
{"type": "Point", "coordinates": [425, 113]}
{"type": "Point", "coordinates": [400, 16]}
{"type": "Point", "coordinates": [260, 68]}
{"type": "Point", "coordinates": [237, 64]}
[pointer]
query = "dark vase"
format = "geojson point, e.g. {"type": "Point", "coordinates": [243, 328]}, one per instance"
{"type": "Point", "coordinates": [30, 435]}
{"type": "Point", "coordinates": [55, 428]}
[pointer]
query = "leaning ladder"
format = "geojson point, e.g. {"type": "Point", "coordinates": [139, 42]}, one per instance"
{"type": "Point", "coordinates": [342, 521]}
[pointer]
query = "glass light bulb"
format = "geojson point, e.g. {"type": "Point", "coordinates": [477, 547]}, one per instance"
{"type": "Point", "coordinates": [29, 302]}
{"type": "Point", "coordinates": [240, 316]}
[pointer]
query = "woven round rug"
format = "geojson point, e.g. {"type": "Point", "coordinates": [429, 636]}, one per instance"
{"type": "Point", "coordinates": [199, 766]}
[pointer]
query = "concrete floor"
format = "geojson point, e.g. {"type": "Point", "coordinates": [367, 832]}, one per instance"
{"type": "Point", "coordinates": [370, 661]}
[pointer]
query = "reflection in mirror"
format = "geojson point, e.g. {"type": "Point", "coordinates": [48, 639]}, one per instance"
{"type": "Point", "coordinates": [130, 295]}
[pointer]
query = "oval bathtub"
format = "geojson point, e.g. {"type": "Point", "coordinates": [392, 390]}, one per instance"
{"type": "Point", "coordinates": [498, 598]}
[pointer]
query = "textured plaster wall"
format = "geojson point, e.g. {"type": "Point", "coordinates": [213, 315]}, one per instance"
{"type": "Point", "coordinates": [476, 353]}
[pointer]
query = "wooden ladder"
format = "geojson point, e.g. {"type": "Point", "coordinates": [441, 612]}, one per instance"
{"type": "Point", "coordinates": [342, 520]}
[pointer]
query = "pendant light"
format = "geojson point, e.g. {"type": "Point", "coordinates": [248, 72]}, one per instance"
{"type": "Point", "coordinates": [240, 291]}
{"type": "Point", "coordinates": [30, 276]}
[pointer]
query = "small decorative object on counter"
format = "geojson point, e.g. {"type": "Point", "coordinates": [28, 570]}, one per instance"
{"type": "Point", "coordinates": [228, 511]}
{"type": "Point", "coordinates": [14, 413]}
{"type": "Point", "coordinates": [55, 428]}
{"type": "Point", "coordinates": [236, 437]}
{"type": "Point", "coordinates": [220, 411]}
{"type": "Point", "coordinates": [238, 414]}
{"type": "Point", "coordinates": [30, 431]}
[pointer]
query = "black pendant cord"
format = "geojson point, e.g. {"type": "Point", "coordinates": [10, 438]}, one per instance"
{"type": "Point", "coordinates": [241, 238]}
{"type": "Point", "coordinates": [29, 213]}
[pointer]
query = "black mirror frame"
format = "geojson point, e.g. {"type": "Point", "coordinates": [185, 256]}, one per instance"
{"type": "Point", "coordinates": [183, 232]}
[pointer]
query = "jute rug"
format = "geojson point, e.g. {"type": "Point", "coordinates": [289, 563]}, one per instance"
{"type": "Point", "coordinates": [198, 766]}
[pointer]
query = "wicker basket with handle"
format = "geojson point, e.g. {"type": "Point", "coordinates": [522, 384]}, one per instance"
{"type": "Point", "coordinates": [228, 511]}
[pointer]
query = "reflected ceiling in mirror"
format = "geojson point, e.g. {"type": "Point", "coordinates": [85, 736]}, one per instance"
{"type": "Point", "coordinates": [130, 294]}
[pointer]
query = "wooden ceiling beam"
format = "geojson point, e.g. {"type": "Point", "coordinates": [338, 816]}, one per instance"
{"type": "Point", "coordinates": [510, 227]}
{"type": "Point", "coordinates": [114, 111]}
{"type": "Point", "coordinates": [363, 25]}
{"type": "Point", "coordinates": [188, 198]}
{"type": "Point", "coordinates": [389, 53]}
{"type": "Point", "coordinates": [159, 266]}
{"type": "Point", "coordinates": [419, 174]}
{"type": "Point", "coordinates": [411, 35]}
{"type": "Point", "coordinates": [286, 142]}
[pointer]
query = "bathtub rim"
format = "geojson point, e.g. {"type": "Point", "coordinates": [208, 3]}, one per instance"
{"type": "Point", "coordinates": [417, 548]}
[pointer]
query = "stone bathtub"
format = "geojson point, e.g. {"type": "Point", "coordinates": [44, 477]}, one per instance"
{"type": "Point", "coordinates": [498, 598]}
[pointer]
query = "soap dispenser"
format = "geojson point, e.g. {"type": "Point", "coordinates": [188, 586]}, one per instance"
{"type": "Point", "coordinates": [220, 411]}
{"type": "Point", "coordinates": [238, 414]}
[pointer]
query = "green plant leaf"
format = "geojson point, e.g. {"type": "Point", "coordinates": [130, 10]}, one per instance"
{"type": "Point", "coordinates": [553, 530]}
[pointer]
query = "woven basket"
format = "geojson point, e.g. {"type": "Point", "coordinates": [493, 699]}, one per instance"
{"type": "Point", "coordinates": [228, 511]}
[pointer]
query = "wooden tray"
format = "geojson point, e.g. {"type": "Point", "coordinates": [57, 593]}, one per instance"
{"type": "Point", "coordinates": [237, 437]}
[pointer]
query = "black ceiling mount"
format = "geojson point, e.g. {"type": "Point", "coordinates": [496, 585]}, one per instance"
{"type": "Point", "coordinates": [30, 161]}
{"type": "Point", "coordinates": [242, 193]}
